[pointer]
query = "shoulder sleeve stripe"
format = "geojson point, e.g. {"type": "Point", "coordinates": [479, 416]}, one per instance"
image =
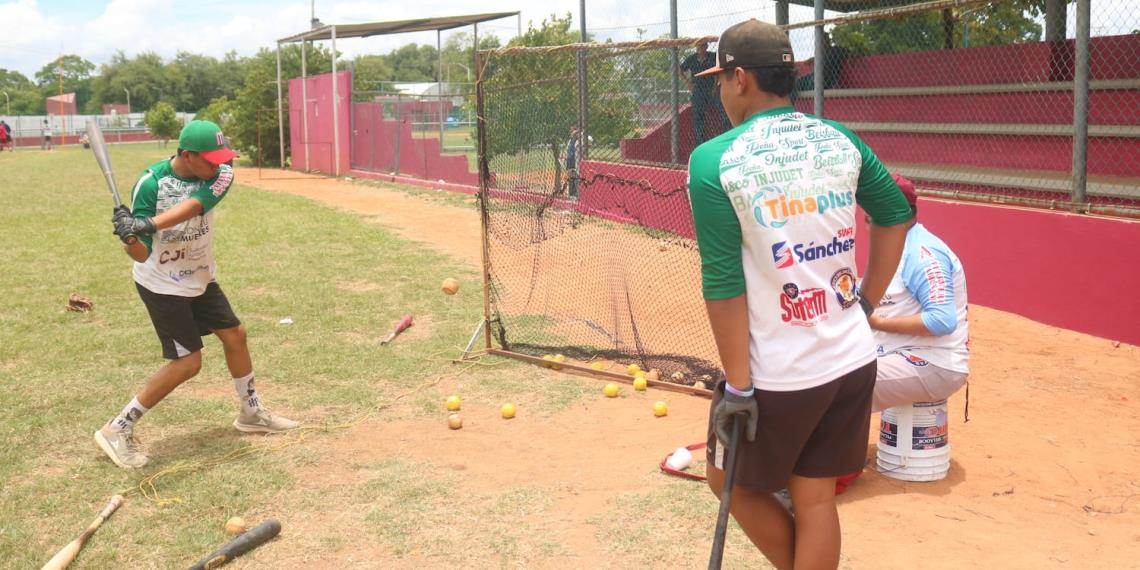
{"type": "Point", "coordinates": [135, 192]}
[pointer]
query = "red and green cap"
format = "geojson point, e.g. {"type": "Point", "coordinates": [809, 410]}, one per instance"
{"type": "Point", "coordinates": [752, 43]}
{"type": "Point", "coordinates": [206, 139]}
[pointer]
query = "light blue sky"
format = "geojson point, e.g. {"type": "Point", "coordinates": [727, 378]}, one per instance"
{"type": "Point", "coordinates": [37, 31]}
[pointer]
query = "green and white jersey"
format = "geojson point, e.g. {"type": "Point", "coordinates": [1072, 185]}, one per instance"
{"type": "Point", "coordinates": [774, 206]}
{"type": "Point", "coordinates": [181, 260]}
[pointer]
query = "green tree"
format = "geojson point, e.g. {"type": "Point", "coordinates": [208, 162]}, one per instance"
{"type": "Point", "coordinates": [76, 78]}
{"type": "Point", "coordinates": [144, 75]}
{"type": "Point", "coordinates": [255, 107]}
{"type": "Point", "coordinates": [24, 98]}
{"type": "Point", "coordinates": [999, 23]}
{"type": "Point", "coordinates": [162, 122]}
{"type": "Point", "coordinates": [531, 100]}
{"type": "Point", "coordinates": [219, 111]}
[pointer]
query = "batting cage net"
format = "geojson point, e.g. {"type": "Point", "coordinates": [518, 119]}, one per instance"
{"type": "Point", "coordinates": [584, 149]}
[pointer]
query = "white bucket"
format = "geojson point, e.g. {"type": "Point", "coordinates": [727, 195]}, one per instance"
{"type": "Point", "coordinates": [914, 442]}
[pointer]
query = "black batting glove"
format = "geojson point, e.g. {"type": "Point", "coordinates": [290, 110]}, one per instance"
{"type": "Point", "coordinates": [129, 228]}
{"type": "Point", "coordinates": [730, 406]}
{"type": "Point", "coordinates": [118, 213]}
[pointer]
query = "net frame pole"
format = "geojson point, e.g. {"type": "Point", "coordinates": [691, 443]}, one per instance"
{"type": "Point", "coordinates": [280, 113]}
{"type": "Point", "coordinates": [305, 105]}
{"type": "Point", "coordinates": [817, 72]}
{"type": "Point", "coordinates": [1081, 104]}
{"type": "Point", "coordinates": [484, 194]}
{"type": "Point", "coordinates": [335, 109]}
{"type": "Point", "coordinates": [781, 12]}
{"type": "Point", "coordinates": [583, 120]}
{"type": "Point", "coordinates": [675, 127]}
{"type": "Point", "coordinates": [603, 374]}
{"type": "Point", "coordinates": [439, 83]}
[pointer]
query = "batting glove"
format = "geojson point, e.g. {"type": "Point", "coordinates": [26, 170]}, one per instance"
{"type": "Point", "coordinates": [731, 405]}
{"type": "Point", "coordinates": [128, 227]}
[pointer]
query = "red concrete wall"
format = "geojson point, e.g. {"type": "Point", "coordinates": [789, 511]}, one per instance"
{"type": "Point", "coordinates": [319, 139]}
{"type": "Point", "coordinates": [374, 148]}
{"type": "Point", "coordinates": [1061, 269]}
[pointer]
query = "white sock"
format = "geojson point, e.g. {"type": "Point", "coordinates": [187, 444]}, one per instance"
{"type": "Point", "coordinates": [127, 418]}
{"type": "Point", "coordinates": [246, 394]}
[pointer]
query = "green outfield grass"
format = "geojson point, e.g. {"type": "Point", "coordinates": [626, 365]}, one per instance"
{"type": "Point", "coordinates": [344, 282]}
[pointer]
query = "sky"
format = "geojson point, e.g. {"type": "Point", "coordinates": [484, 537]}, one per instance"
{"type": "Point", "coordinates": [35, 32]}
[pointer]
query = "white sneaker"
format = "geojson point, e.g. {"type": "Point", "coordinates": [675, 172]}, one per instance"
{"type": "Point", "coordinates": [122, 447]}
{"type": "Point", "coordinates": [263, 421]}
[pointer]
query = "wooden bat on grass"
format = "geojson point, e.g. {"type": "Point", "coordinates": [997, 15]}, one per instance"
{"type": "Point", "coordinates": [67, 554]}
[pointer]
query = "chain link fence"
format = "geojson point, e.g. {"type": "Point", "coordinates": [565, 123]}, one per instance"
{"type": "Point", "coordinates": [32, 131]}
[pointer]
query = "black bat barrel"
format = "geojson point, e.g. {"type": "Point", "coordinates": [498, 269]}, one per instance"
{"type": "Point", "coordinates": [244, 542]}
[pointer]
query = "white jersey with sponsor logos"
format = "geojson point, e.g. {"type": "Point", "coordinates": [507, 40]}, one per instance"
{"type": "Point", "coordinates": [774, 207]}
{"type": "Point", "coordinates": [181, 260]}
{"type": "Point", "coordinates": [931, 282]}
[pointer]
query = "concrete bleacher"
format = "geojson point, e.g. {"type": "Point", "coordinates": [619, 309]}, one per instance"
{"type": "Point", "coordinates": [997, 117]}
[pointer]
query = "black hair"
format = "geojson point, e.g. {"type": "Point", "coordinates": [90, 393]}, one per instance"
{"type": "Point", "coordinates": [777, 80]}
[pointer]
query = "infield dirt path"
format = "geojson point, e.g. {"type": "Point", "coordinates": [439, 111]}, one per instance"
{"type": "Point", "coordinates": [1046, 474]}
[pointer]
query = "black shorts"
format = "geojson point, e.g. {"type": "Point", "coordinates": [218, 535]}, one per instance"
{"type": "Point", "coordinates": [818, 432]}
{"type": "Point", "coordinates": [181, 322]}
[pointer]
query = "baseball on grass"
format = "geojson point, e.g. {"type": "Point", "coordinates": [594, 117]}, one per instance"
{"type": "Point", "coordinates": [611, 390]}
{"type": "Point", "coordinates": [235, 526]}
{"type": "Point", "coordinates": [508, 411]}
{"type": "Point", "coordinates": [453, 403]}
{"type": "Point", "coordinates": [640, 384]}
{"type": "Point", "coordinates": [450, 286]}
{"type": "Point", "coordinates": [454, 421]}
{"type": "Point", "coordinates": [660, 409]}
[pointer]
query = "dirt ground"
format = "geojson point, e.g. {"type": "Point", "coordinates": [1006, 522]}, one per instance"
{"type": "Point", "coordinates": [1046, 473]}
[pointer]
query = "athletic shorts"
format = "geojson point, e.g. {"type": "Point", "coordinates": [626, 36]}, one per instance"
{"type": "Point", "coordinates": [181, 322]}
{"type": "Point", "coordinates": [904, 379]}
{"type": "Point", "coordinates": [818, 432]}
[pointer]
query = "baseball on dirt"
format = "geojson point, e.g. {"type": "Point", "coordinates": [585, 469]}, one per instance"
{"type": "Point", "coordinates": [453, 403]}
{"type": "Point", "coordinates": [632, 369]}
{"type": "Point", "coordinates": [235, 526]}
{"type": "Point", "coordinates": [700, 385]}
{"type": "Point", "coordinates": [599, 365]}
{"type": "Point", "coordinates": [611, 390]}
{"type": "Point", "coordinates": [450, 286]}
{"type": "Point", "coordinates": [660, 409]}
{"type": "Point", "coordinates": [640, 384]}
{"type": "Point", "coordinates": [454, 421]}
{"type": "Point", "coordinates": [508, 411]}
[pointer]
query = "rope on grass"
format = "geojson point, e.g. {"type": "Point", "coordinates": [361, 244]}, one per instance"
{"type": "Point", "coordinates": [148, 486]}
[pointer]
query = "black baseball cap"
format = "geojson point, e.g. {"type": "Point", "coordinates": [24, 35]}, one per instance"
{"type": "Point", "coordinates": [752, 43]}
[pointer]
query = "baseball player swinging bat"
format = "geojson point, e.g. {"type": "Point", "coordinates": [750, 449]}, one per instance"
{"type": "Point", "coordinates": [99, 147]}
{"type": "Point", "coordinates": [67, 554]}
{"type": "Point", "coordinates": [245, 542]}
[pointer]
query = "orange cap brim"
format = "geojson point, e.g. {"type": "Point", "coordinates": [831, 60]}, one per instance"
{"type": "Point", "coordinates": [710, 71]}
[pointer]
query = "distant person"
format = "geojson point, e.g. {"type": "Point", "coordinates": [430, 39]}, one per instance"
{"type": "Point", "coordinates": [83, 140]}
{"type": "Point", "coordinates": [572, 155]}
{"type": "Point", "coordinates": [169, 234]}
{"type": "Point", "coordinates": [45, 142]}
{"type": "Point", "coordinates": [702, 94]}
{"type": "Point", "coordinates": [920, 325]}
{"type": "Point", "coordinates": [833, 58]}
{"type": "Point", "coordinates": [5, 136]}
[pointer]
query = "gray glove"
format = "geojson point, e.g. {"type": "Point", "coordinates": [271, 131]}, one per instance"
{"type": "Point", "coordinates": [728, 408]}
{"type": "Point", "coordinates": [128, 228]}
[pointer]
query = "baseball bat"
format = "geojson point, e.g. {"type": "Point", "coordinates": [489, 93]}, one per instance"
{"type": "Point", "coordinates": [67, 554]}
{"type": "Point", "coordinates": [725, 497]}
{"type": "Point", "coordinates": [401, 326]}
{"type": "Point", "coordinates": [99, 147]}
{"type": "Point", "coordinates": [245, 542]}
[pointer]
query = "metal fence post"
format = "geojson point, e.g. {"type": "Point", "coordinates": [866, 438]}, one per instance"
{"type": "Point", "coordinates": [675, 130]}
{"type": "Point", "coordinates": [583, 146]}
{"type": "Point", "coordinates": [817, 72]}
{"type": "Point", "coordinates": [1081, 104]}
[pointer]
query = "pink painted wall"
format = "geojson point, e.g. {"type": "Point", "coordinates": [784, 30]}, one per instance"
{"type": "Point", "coordinates": [1061, 269]}
{"type": "Point", "coordinates": [374, 148]}
{"type": "Point", "coordinates": [319, 139]}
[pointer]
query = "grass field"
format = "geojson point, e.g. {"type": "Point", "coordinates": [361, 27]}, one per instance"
{"type": "Point", "coordinates": [344, 282]}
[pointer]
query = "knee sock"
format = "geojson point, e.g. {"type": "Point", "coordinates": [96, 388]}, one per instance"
{"type": "Point", "coordinates": [246, 394]}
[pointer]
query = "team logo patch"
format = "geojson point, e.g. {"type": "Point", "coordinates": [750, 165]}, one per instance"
{"type": "Point", "coordinates": [914, 360]}
{"type": "Point", "coordinates": [803, 308]}
{"type": "Point", "coordinates": [843, 283]}
{"type": "Point", "coordinates": [782, 255]}
{"type": "Point", "coordinates": [222, 183]}
{"type": "Point", "coordinates": [219, 138]}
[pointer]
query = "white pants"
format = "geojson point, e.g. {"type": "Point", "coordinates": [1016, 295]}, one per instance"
{"type": "Point", "coordinates": [905, 379]}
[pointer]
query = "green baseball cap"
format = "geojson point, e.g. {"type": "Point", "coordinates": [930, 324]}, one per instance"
{"type": "Point", "coordinates": [752, 43]}
{"type": "Point", "coordinates": [206, 139]}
